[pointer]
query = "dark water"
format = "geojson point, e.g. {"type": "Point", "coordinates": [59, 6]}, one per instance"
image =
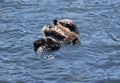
{"type": "Point", "coordinates": [96, 60]}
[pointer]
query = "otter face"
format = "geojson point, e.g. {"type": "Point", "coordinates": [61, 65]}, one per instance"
{"type": "Point", "coordinates": [68, 24]}
{"type": "Point", "coordinates": [38, 43]}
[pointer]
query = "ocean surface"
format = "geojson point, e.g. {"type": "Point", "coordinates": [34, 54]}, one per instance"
{"type": "Point", "coordinates": [96, 60]}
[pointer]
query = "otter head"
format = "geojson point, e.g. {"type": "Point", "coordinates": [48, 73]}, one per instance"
{"type": "Point", "coordinates": [38, 43]}
{"type": "Point", "coordinates": [60, 22]}
{"type": "Point", "coordinates": [68, 24]}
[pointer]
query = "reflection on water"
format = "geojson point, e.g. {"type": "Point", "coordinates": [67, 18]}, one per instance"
{"type": "Point", "coordinates": [96, 60]}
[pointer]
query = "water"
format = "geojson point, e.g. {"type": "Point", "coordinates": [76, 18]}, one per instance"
{"type": "Point", "coordinates": [96, 60]}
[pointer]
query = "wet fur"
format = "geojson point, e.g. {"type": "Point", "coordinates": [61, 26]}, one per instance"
{"type": "Point", "coordinates": [47, 44]}
{"type": "Point", "coordinates": [68, 24]}
{"type": "Point", "coordinates": [61, 33]}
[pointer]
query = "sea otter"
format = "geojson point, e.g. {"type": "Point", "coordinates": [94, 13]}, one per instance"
{"type": "Point", "coordinates": [68, 24]}
{"type": "Point", "coordinates": [47, 43]}
{"type": "Point", "coordinates": [61, 33]}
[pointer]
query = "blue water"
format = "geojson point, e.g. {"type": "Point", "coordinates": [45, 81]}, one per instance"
{"type": "Point", "coordinates": [96, 60]}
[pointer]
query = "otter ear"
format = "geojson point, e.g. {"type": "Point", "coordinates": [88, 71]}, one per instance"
{"type": "Point", "coordinates": [55, 21]}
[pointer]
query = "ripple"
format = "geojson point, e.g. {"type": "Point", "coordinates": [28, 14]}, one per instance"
{"type": "Point", "coordinates": [92, 61]}
{"type": "Point", "coordinates": [109, 81]}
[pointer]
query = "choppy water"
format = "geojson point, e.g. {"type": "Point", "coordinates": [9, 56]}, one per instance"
{"type": "Point", "coordinates": [96, 60]}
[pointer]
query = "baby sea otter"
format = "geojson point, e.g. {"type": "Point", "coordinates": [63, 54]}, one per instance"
{"type": "Point", "coordinates": [68, 24]}
{"type": "Point", "coordinates": [61, 33]}
{"type": "Point", "coordinates": [47, 43]}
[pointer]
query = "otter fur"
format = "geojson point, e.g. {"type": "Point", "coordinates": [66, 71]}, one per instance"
{"type": "Point", "coordinates": [47, 43]}
{"type": "Point", "coordinates": [61, 33]}
{"type": "Point", "coordinates": [68, 24]}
